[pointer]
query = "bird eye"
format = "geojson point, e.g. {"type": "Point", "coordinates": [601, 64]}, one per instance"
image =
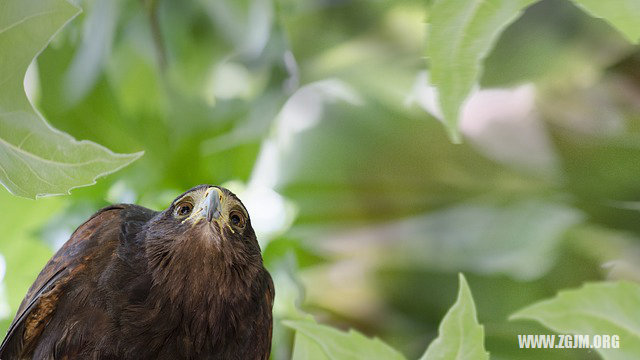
{"type": "Point", "coordinates": [237, 218]}
{"type": "Point", "coordinates": [184, 208]}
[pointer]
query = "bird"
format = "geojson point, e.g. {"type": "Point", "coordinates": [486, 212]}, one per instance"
{"type": "Point", "coordinates": [132, 283]}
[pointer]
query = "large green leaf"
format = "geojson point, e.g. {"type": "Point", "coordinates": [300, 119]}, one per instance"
{"type": "Point", "coordinates": [36, 159]}
{"type": "Point", "coordinates": [460, 337]}
{"type": "Point", "coordinates": [622, 14]}
{"type": "Point", "coordinates": [461, 33]}
{"type": "Point", "coordinates": [315, 341]}
{"type": "Point", "coordinates": [608, 308]}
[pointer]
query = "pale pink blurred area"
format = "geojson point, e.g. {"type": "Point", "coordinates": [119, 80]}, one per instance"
{"type": "Point", "coordinates": [502, 124]}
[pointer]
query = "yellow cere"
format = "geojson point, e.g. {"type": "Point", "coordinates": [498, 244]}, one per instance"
{"type": "Point", "coordinates": [200, 198]}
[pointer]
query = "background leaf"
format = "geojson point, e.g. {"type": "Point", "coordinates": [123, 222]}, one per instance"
{"type": "Point", "coordinates": [460, 337]}
{"type": "Point", "coordinates": [35, 159]}
{"type": "Point", "coordinates": [461, 33]}
{"type": "Point", "coordinates": [622, 14]}
{"type": "Point", "coordinates": [338, 345]}
{"type": "Point", "coordinates": [595, 309]}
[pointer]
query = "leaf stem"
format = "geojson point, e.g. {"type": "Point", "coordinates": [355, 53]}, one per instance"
{"type": "Point", "coordinates": [152, 11]}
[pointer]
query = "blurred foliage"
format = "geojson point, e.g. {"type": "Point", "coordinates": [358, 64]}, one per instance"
{"type": "Point", "coordinates": [461, 33]}
{"type": "Point", "coordinates": [318, 115]}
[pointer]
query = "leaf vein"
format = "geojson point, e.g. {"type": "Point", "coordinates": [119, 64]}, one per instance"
{"type": "Point", "coordinates": [53, 162]}
{"type": "Point", "coordinates": [27, 18]}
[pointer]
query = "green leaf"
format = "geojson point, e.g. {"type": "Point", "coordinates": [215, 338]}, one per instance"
{"type": "Point", "coordinates": [315, 341]}
{"type": "Point", "coordinates": [461, 33]}
{"type": "Point", "coordinates": [606, 308]}
{"type": "Point", "coordinates": [305, 348]}
{"type": "Point", "coordinates": [459, 335]}
{"type": "Point", "coordinates": [36, 159]}
{"type": "Point", "coordinates": [621, 14]}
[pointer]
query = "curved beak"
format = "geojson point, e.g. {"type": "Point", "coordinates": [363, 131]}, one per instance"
{"type": "Point", "coordinates": [212, 203]}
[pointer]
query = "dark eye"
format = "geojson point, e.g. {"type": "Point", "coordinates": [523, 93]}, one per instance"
{"type": "Point", "coordinates": [237, 218]}
{"type": "Point", "coordinates": [184, 208]}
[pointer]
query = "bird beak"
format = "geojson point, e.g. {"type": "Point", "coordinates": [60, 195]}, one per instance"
{"type": "Point", "coordinates": [212, 203]}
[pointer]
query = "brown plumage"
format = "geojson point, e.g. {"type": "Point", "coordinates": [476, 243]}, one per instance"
{"type": "Point", "coordinates": [132, 283]}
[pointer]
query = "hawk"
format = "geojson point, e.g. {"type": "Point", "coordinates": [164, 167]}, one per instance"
{"type": "Point", "coordinates": [132, 283]}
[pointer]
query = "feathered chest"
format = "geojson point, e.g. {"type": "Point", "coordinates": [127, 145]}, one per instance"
{"type": "Point", "coordinates": [195, 302]}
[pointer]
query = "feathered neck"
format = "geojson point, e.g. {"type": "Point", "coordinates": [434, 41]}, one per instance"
{"type": "Point", "coordinates": [199, 284]}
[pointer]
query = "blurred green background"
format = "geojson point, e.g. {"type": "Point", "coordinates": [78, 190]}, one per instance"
{"type": "Point", "coordinates": [317, 113]}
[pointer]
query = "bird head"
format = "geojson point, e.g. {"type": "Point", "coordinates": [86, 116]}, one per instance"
{"type": "Point", "coordinates": [207, 226]}
{"type": "Point", "coordinates": [209, 207]}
